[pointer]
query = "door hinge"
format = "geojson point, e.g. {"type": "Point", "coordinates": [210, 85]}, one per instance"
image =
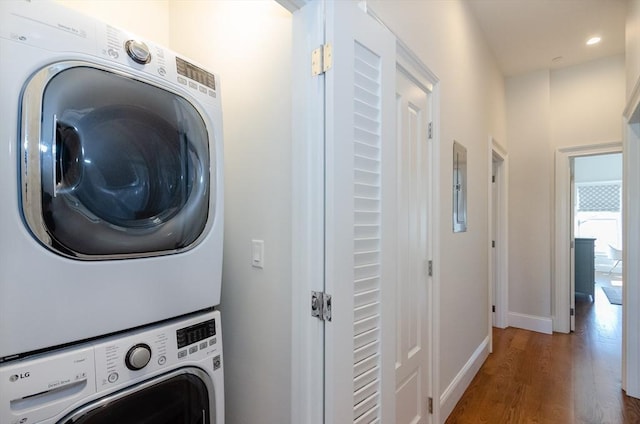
{"type": "Point", "coordinates": [430, 405]}
{"type": "Point", "coordinates": [493, 308]}
{"type": "Point", "coordinates": [572, 312]}
{"type": "Point", "coordinates": [321, 305]}
{"type": "Point", "coordinates": [493, 178]}
{"type": "Point", "coordinates": [430, 130]}
{"type": "Point", "coordinates": [572, 244]}
{"type": "Point", "coordinates": [493, 243]}
{"type": "Point", "coordinates": [430, 268]}
{"type": "Point", "coordinates": [321, 59]}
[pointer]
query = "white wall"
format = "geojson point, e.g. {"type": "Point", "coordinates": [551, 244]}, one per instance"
{"type": "Point", "coordinates": [530, 193]}
{"type": "Point", "coordinates": [249, 44]}
{"type": "Point", "coordinates": [575, 106]}
{"type": "Point", "coordinates": [447, 39]}
{"type": "Point", "coordinates": [587, 102]}
{"type": "Point", "coordinates": [148, 19]}
{"type": "Point", "coordinates": [632, 36]}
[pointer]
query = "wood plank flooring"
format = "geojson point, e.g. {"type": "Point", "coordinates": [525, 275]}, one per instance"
{"type": "Point", "coordinates": [554, 379]}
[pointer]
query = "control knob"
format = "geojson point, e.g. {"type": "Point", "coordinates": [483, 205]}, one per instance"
{"type": "Point", "coordinates": [138, 357]}
{"type": "Point", "coordinates": [138, 51]}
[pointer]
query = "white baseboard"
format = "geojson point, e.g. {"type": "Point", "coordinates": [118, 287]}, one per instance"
{"type": "Point", "coordinates": [531, 322]}
{"type": "Point", "coordinates": [456, 389]}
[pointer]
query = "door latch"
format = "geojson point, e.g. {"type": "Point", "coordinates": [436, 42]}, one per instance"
{"type": "Point", "coordinates": [321, 305]}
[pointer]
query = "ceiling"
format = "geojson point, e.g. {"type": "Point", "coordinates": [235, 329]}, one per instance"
{"type": "Point", "coordinates": [528, 35]}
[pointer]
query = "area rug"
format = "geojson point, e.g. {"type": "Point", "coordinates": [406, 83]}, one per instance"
{"type": "Point", "coordinates": [614, 294]}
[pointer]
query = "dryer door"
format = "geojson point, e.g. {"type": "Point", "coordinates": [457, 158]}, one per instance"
{"type": "Point", "coordinates": [181, 397]}
{"type": "Point", "coordinates": [113, 167]}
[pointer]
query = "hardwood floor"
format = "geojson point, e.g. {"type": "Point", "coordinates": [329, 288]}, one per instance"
{"type": "Point", "coordinates": [554, 379]}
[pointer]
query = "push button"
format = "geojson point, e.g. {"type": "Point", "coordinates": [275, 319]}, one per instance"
{"type": "Point", "coordinates": [113, 377]}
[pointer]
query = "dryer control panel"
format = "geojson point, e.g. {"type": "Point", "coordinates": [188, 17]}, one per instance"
{"type": "Point", "coordinates": [49, 26]}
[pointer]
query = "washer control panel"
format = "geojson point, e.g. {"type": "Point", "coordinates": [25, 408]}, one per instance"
{"type": "Point", "coordinates": [124, 359]}
{"type": "Point", "coordinates": [37, 388]}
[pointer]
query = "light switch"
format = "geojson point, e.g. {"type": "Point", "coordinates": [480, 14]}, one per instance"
{"type": "Point", "coordinates": [257, 253]}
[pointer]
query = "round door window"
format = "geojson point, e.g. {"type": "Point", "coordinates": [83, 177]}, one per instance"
{"type": "Point", "coordinates": [182, 397]}
{"type": "Point", "coordinates": [125, 170]}
{"type": "Point", "coordinates": [135, 173]}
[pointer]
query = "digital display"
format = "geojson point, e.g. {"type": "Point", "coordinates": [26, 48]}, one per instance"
{"type": "Point", "coordinates": [195, 73]}
{"type": "Point", "coordinates": [195, 333]}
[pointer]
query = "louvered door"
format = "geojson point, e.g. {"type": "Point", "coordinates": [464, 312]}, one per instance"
{"type": "Point", "coordinates": [360, 208]}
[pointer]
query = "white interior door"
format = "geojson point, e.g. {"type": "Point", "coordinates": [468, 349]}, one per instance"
{"type": "Point", "coordinates": [498, 224]}
{"type": "Point", "coordinates": [412, 351]}
{"type": "Point", "coordinates": [494, 238]}
{"type": "Point", "coordinates": [360, 217]}
{"type": "Point", "coordinates": [572, 243]}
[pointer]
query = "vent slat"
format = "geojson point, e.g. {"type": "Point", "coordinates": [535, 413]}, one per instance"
{"type": "Point", "coordinates": [367, 231]}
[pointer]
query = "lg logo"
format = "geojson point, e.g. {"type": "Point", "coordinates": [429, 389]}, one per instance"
{"type": "Point", "coordinates": [16, 377]}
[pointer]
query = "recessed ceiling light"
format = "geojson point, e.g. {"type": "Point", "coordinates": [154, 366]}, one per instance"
{"type": "Point", "coordinates": [593, 40]}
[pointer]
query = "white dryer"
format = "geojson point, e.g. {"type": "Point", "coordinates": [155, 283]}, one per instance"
{"type": "Point", "coordinates": [170, 373]}
{"type": "Point", "coordinates": [111, 210]}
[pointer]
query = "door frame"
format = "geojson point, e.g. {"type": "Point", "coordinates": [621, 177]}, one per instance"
{"type": "Point", "coordinates": [562, 252]}
{"type": "Point", "coordinates": [410, 65]}
{"type": "Point", "coordinates": [500, 273]}
{"type": "Point", "coordinates": [631, 245]}
{"type": "Point", "coordinates": [308, 214]}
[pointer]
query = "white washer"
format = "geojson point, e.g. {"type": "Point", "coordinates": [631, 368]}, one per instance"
{"type": "Point", "coordinates": [111, 210]}
{"type": "Point", "coordinates": [168, 373]}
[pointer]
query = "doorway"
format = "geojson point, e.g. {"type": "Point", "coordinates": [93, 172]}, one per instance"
{"type": "Point", "coordinates": [498, 233]}
{"type": "Point", "coordinates": [596, 193]}
{"type": "Point", "coordinates": [564, 301]}
{"type": "Point", "coordinates": [413, 354]}
{"type": "Point", "coordinates": [631, 292]}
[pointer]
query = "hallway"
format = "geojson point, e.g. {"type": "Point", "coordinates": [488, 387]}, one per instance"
{"type": "Point", "coordinates": [551, 379]}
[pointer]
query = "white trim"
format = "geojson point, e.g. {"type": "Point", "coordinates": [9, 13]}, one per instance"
{"type": "Point", "coordinates": [307, 267]}
{"type": "Point", "coordinates": [631, 246]}
{"type": "Point", "coordinates": [491, 280]}
{"type": "Point", "coordinates": [633, 103]}
{"type": "Point", "coordinates": [531, 322]}
{"type": "Point", "coordinates": [496, 151]}
{"type": "Point", "coordinates": [292, 5]}
{"type": "Point", "coordinates": [434, 212]}
{"type": "Point", "coordinates": [561, 260]}
{"type": "Point", "coordinates": [498, 148]}
{"type": "Point", "coordinates": [461, 382]}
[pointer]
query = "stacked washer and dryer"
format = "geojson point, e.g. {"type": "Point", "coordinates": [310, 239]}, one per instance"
{"type": "Point", "coordinates": [111, 225]}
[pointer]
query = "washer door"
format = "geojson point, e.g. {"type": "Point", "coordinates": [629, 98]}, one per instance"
{"type": "Point", "coordinates": [181, 397]}
{"type": "Point", "coordinates": [113, 167]}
